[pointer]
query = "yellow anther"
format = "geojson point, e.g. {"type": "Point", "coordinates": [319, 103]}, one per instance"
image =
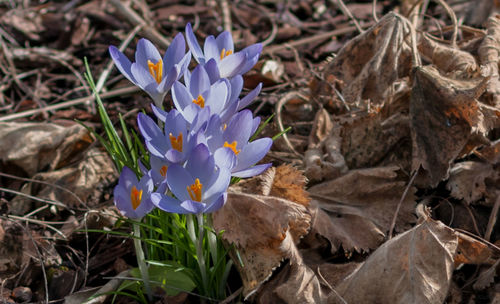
{"type": "Point", "coordinates": [195, 190]}
{"type": "Point", "coordinates": [200, 101]}
{"type": "Point", "coordinates": [135, 197]}
{"type": "Point", "coordinates": [163, 169]}
{"type": "Point", "coordinates": [225, 53]}
{"type": "Point", "coordinates": [224, 127]}
{"type": "Point", "coordinates": [176, 142]}
{"type": "Point", "coordinates": [156, 70]}
{"type": "Point", "coordinates": [232, 146]}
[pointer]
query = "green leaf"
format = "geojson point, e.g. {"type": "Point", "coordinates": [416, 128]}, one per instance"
{"type": "Point", "coordinates": [169, 276]}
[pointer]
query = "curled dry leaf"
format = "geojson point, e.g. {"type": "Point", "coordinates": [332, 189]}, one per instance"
{"type": "Point", "coordinates": [467, 180]}
{"type": "Point", "coordinates": [369, 64]}
{"type": "Point", "coordinates": [444, 113]}
{"type": "Point", "coordinates": [34, 147]}
{"type": "Point", "coordinates": [489, 58]}
{"type": "Point", "coordinates": [448, 59]}
{"type": "Point", "coordinates": [362, 203]}
{"type": "Point", "coordinates": [414, 267]}
{"type": "Point", "coordinates": [323, 158]}
{"type": "Point", "coordinates": [263, 230]}
{"type": "Point", "coordinates": [474, 251]}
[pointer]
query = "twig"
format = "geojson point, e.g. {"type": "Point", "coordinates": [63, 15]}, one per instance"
{"type": "Point", "coordinates": [232, 296]}
{"type": "Point", "coordinates": [493, 219]}
{"type": "Point", "coordinates": [48, 201]}
{"type": "Point", "coordinates": [313, 39]}
{"type": "Point", "coordinates": [331, 288]}
{"type": "Point", "coordinates": [148, 31]}
{"type": "Point", "coordinates": [274, 26]}
{"type": "Point", "coordinates": [43, 223]}
{"type": "Point", "coordinates": [279, 106]}
{"type": "Point", "coordinates": [374, 10]}
{"type": "Point", "coordinates": [70, 103]}
{"type": "Point", "coordinates": [226, 16]}
{"type": "Point", "coordinates": [348, 13]}
{"type": "Point", "coordinates": [393, 223]}
{"type": "Point", "coordinates": [474, 222]}
{"type": "Point", "coordinates": [453, 20]}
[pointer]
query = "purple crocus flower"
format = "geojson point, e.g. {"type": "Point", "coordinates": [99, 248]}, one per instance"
{"type": "Point", "coordinates": [199, 187]}
{"type": "Point", "coordinates": [150, 71]}
{"type": "Point", "coordinates": [131, 196]}
{"type": "Point", "coordinates": [158, 172]}
{"type": "Point", "coordinates": [175, 143]}
{"type": "Point", "coordinates": [219, 56]}
{"type": "Point", "coordinates": [234, 136]}
{"type": "Point", "coordinates": [200, 93]}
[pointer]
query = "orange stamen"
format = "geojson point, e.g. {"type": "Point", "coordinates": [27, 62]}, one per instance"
{"type": "Point", "coordinates": [232, 146]}
{"type": "Point", "coordinates": [200, 101]}
{"type": "Point", "coordinates": [163, 169]}
{"type": "Point", "coordinates": [176, 142]}
{"type": "Point", "coordinates": [224, 127]}
{"type": "Point", "coordinates": [135, 197]}
{"type": "Point", "coordinates": [225, 53]}
{"type": "Point", "coordinates": [195, 190]}
{"type": "Point", "coordinates": [156, 70]}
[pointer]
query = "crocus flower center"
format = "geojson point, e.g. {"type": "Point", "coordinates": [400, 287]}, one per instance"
{"type": "Point", "coordinates": [232, 146]}
{"type": "Point", "coordinates": [135, 197]}
{"type": "Point", "coordinates": [200, 101]}
{"type": "Point", "coordinates": [156, 70]}
{"type": "Point", "coordinates": [225, 53]}
{"type": "Point", "coordinates": [163, 169]}
{"type": "Point", "coordinates": [176, 142]}
{"type": "Point", "coordinates": [194, 190]}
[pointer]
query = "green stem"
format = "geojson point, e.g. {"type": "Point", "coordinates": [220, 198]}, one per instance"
{"type": "Point", "coordinates": [199, 251]}
{"type": "Point", "coordinates": [141, 261]}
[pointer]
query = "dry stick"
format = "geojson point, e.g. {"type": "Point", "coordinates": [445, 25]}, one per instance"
{"type": "Point", "coordinates": [42, 223]}
{"type": "Point", "coordinates": [393, 223]}
{"type": "Point", "coordinates": [331, 288]}
{"type": "Point", "coordinates": [131, 16]}
{"type": "Point", "coordinates": [274, 26]}
{"type": "Point", "coordinates": [453, 20]}
{"type": "Point", "coordinates": [232, 296]}
{"type": "Point", "coordinates": [314, 38]}
{"type": "Point", "coordinates": [347, 12]}
{"type": "Point", "coordinates": [493, 219]}
{"type": "Point", "coordinates": [374, 10]}
{"type": "Point", "coordinates": [279, 106]}
{"type": "Point", "coordinates": [66, 104]}
{"type": "Point", "coordinates": [226, 15]}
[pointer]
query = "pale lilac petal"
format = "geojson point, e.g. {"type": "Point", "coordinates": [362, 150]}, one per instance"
{"type": "Point", "coordinates": [256, 123]}
{"type": "Point", "coordinates": [249, 64]}
{"type": "Point", "coordinates": [142, 76]}
{"type": "Point", "coordinates": [252, 171]}
{"type": "Point", "coordinates": [175, 52]}
{"type": "Point", "coordinates": [194, 46]}
{"type": "Point", "coordinates": [199, 82]}
{"type": "Point", "coordinates": [225, 158]}
{"type": "Point", "coordinates": [229, 111]}
{"type": "Point", "coordinates": [219, 185]}
{"type": "Point", "coordinates": [225, 41]}
{"type": "Point", "coordinates": [217, 204]}
{"type": "Point", "coordinates": [174, 156]}
{"type": "Point", "coordinates": [146, 51]}
{"type": "Point", "coordinates": [122, 63]}
{"type": "Point", "coordinates": [212, 70]}
{"type": "Point", "coordinates": [217, 96]}
{"type": "Point", "coordinates": [210, 49]}
{"type": "Point", "coordinates": [231, 65]}
{"type": "Point", "coordinates": [159, 113]}
{"type": "Point", "coordinates": [178, 180]}
{"type": "Point", "coordinates": [236, 87]}
{"type": "Point", "coordinates": [149, 129]}
{"type": "Point", "coordinates": [193, 207]}
{"type": "Point", "coordinates": [200, 164]}
{"type": "Point", "coordinates": [252, 153]}
{"type": "Point", "coordinates": [181, 96]}
{"type": "Point", "coordinates": [168, 203]}
{"type": "Point", "coordinates": [168, 80]}
{"type": "Point", "coordinates": [239, 128]}
{"type": "Point", "coordinates": [249, 98]}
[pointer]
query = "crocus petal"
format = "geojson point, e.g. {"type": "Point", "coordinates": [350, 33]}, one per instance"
{"type": "Point", "coordinates": [225, 41]}
{"type": "Point", "coordinates": [122, 63]}
{"type": "Point", "coordinates": [142, 76]}
{"type": "Point", "coordinates": [149, 129]}
{"type": "Point", "coordinates": [225, 158]}
{"type": "Point", "coordinates": [168, 80]}
{"type": "Point", "coordinates": [256, 123]}
{"type": "Point", "coordinates": [212, 70]}
{"type": "Point", "coordinates": [249, 64]}
{"type": "Point", "coordinates": [229, 111]}
{"type": "Point", "coordinates": [231, 65]}
{"type": "Point", "coordinates": [252, 171]}
{"type": "Point", "coordinates": [181, 96]}
{"type": "Point", "coordinates": [159, 113]}
{"type": "Point", "coordinates": [193, 207]}
{"type": "Point", "coordinates": [191, 111]}
{"type": "Point", "coordinates": [194, 46]}
{"type": "Point", "coordinates": [178, 179]}
{"type": "Point", "coordinates": [200, 164]}
{"type": "Point", "coordinates": [239, 128]}
{"type": "Point", "coordinates": [217, 204]}
{"type": "Point", "coordinates": [252, 153]}
{"type": "Point", "coordinates": [199, 82]}
{"type": "Point", "coordinates": [248, 99]}
{"type": "Point", "coordinates": [146, 51]}
{"type": "Point", "coordinates": [221, 181]}
{"type": "Point", "coordinates": [236, 87]}
{"type": "Point", "coordinates": [127, 178]}
{"type": "Point", "coordinates": [174, 156]}
{"type": "Point", "coordinates": [174, 53]}
{"type": "Point", "coordinates": [217, 96]}
{"type": "Point", "coordinates": [122, 203]}
{"type": "Point", "coordinates": [168, 203]}
{"type": "Point", "coordinates": [210, 49]}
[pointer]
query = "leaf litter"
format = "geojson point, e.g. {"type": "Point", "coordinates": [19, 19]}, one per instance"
{"type": "Point", "coordinates": [408, 96]}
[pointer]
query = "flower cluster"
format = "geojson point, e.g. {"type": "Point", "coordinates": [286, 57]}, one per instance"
{"type": "Point", "coordinates": [196, 148]}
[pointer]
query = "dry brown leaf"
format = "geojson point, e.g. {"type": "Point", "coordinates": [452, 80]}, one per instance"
{"type": "Point", "coordinates": [489, 58]}
{"type": "Point", "coordinates": [467, 180]}
{"type": "Point", "coordinates": [34, 147]}
{"type": "Point", "coordinates": [444, 113]}
{"type": "Point", "coordinates": [448, 59]}
{"type": "Point", "coordinates": [363, 202]}
{"type": "Point", "coordinates": [473, 251]}
{"type": "Point", "coordinates": [370, 63]}
{"type": "Point", "coordinates": [486, 277]}
{"type": "Point", "coordinates": [414, 267]}
{"type": "Point", "coordinates": [263, 229]}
